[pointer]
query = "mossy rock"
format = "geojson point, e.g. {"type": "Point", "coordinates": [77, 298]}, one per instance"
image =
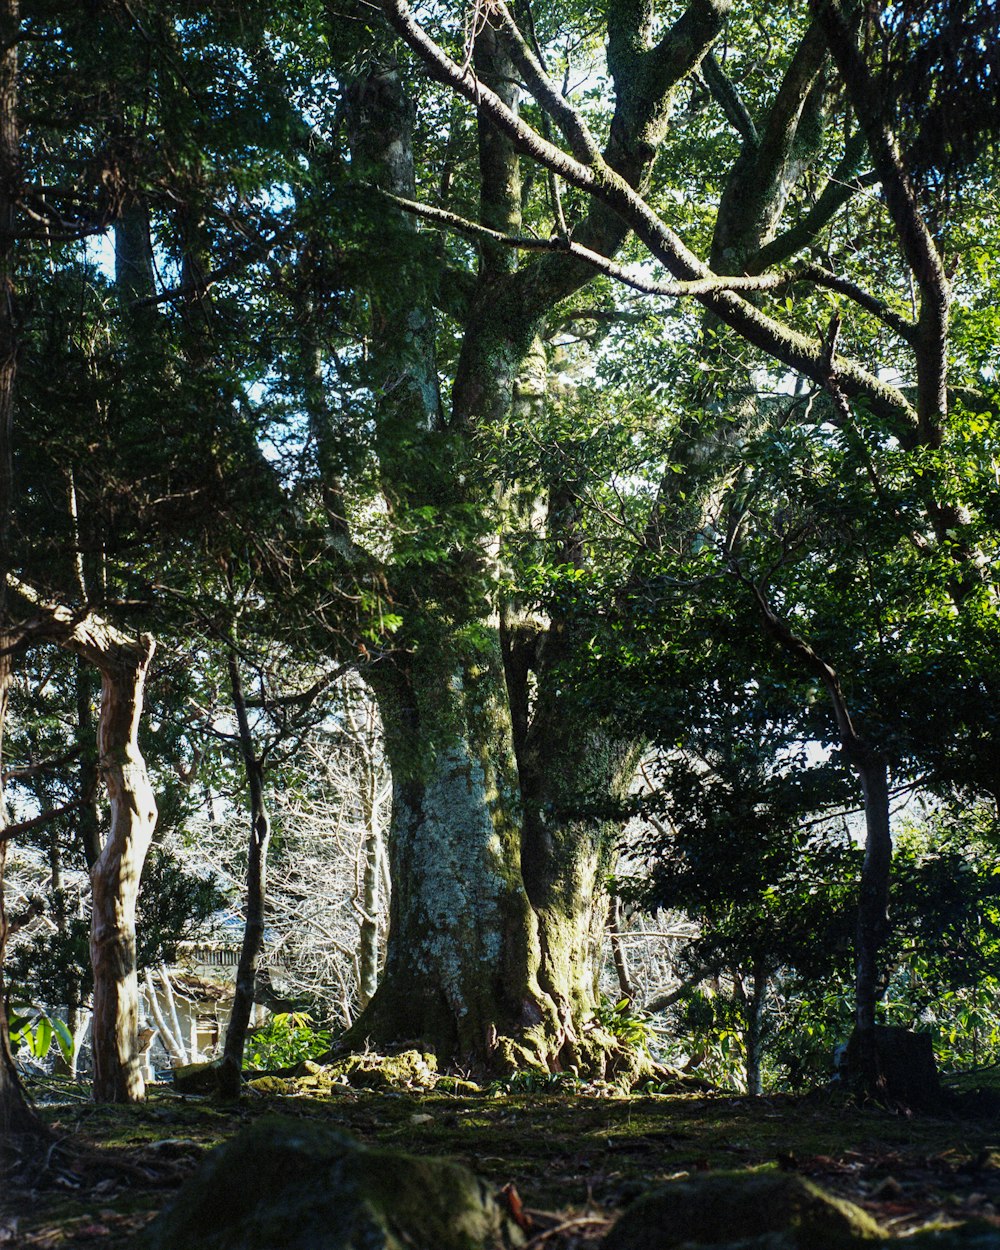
{"type": "Point", "coordinates": [196, 1078]}
{"type": "Point", "coordinates": [273, 1086]}
{"type": "Point", "coordinates": [767, 1212]}
{"type": "Point", "coordinates": [662, 1079]}
{"type": "Point", "coordinates": [457, 1085]}
{"type": "Point", "coordinates": [304, 1186]}
{"type": "Point", "coordinates": [410, 1069]}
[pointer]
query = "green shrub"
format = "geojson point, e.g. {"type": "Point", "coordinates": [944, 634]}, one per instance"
{"type": "Point", "coordinates": [286, 1039]}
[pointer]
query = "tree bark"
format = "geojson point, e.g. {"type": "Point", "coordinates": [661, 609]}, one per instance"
{"type": "Point", "coordinates": [462, 949]}
{"type": "Point", "coordinates": [371, 873]}
{"type": "Point", "coordinates": [873, 916]}
{"type": "Point", "coordinates": [752, 1006]}
{"type": "Point", "coordinates": [16, 1115]}
{"type": "Point", "coordinates": [114, 878]}
{"type": "Point", "coordinates": [172, 1042]}
{"type": "Point", "coordinates": [618, 951]}
{"type": "Point", "coordinates": [229, 1076]}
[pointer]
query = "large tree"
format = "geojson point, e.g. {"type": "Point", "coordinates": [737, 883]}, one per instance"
{"type": "Point", "coordinates": [847, 371]}
{"type": "Point", "coordinates": [497, 870]}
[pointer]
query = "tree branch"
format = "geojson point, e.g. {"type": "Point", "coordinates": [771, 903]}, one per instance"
{"type": "Point", "coordinates": [547, 95]}
{"type": "Point", "coordinates": [796, 351]}
{"type": "Point", "coordinates": [727, 97]}
{"type": "Point", "coordinates": [915, 238]}
{"type": "Point", "coordinates": [25, 826]}
{"type": "Point", "coordinates": [840, 187]}
{"type": "Point", "coordinates": [530, 243]}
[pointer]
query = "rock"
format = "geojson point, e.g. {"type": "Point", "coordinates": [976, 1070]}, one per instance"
{"type": "Point", "coordinates": [300, 1185]}
{"type": "Point", "coordinates": [196, 1078]}
{"type": "Point", "coordinates": [457, 1085]}
{"type": "Point", "coordinates": [273, 1086]}
{"type": "Point", "coordinates": [408, 1070]}
{"type": "Point", "coordinates": [768, 1211]}
{"type": "Point", "coordinates": [907, 1069]}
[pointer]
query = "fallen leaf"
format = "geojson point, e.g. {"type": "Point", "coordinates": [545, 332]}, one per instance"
{"type": "Point", "coordinates": [511, 1199]}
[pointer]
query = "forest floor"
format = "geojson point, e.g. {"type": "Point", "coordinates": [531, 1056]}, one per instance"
{"type": "Point", "coordinates": [574, 1160]}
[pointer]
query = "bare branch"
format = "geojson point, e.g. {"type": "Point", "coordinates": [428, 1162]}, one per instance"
{"type": "Point", "coordinates": [530, 243]}
{"type": "Point", "coordinates": [43, 818]}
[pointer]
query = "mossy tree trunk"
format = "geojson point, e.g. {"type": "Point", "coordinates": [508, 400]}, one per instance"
{"type": "Point", "coordinates": [462, 954]}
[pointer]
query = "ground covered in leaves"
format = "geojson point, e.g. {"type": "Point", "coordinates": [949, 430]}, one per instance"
{"type": "Point", "coordinates": [571, 1160]}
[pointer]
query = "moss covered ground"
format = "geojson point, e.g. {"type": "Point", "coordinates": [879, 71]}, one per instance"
{"type": "Point", "coordinates": [574, 1160]}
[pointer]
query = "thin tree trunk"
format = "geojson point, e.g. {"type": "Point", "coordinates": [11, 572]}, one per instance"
{"type": "Point", "coordinates": [74, 988]}
{"type": "Point", "coordinates": [174, 1044]}
{"type": "Point", "coordinates": [175, 1022]}
{"type": "Point", "coordinates": [752, 1006]}
{"type": "Point", "coordinates": [371, 855]}
{"type": "Point", "coordinates": [114, 878]}
{"type": "Point", "coordinates": [229, 1078]}
{"type": "Point", "coordinates": [88, 819]}
{"type": "Point", "coordinates": [618, 948]}
{"type": "Point", "coordinates": [872, 768]}
{"type": "Point", "coordinates": [873, 919]}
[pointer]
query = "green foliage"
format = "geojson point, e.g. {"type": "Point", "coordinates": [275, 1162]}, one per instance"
{"type": "Point", "coordinates": [533, 1081]}
{"type": "Point", "coordinates": [629, 1025]}
{"type": "Point", "coordinates": [287, 1038]}
{"type": "Point", "coordinates": [34, 1029]}
{"type": "Point", "coordinates": [710, 1031]}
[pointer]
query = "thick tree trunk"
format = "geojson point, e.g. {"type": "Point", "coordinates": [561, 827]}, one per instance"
{"type": "Point", "coordinates": [256, 895]}
{"type": "Point", "coordinates": [114, 876]}
{"type": "Point", "coordinates": [462, 950]}
{"type": "Point", "coordinates": [495, 912]}
{"type": "Point", "coordinates": [16, 1116]}
{"type": "Point", "coordinates": [566, 767]}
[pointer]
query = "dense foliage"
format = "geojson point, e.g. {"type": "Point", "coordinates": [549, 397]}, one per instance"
{"type": "Point", "coordinates": [701, 490]}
